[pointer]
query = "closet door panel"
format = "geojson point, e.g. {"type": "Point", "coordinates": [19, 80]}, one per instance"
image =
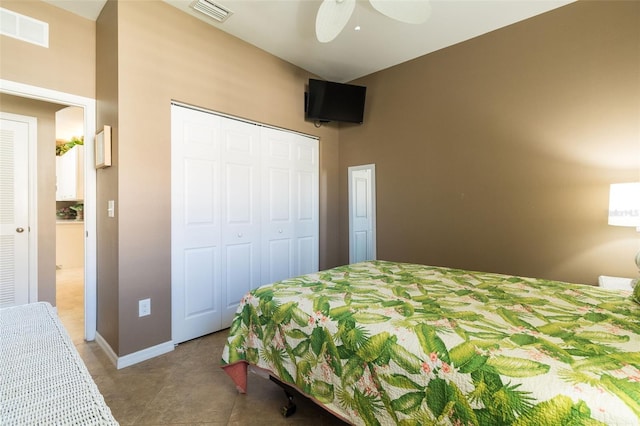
{"type": "Point", "coordinates": [195, 224]}
{"type": "Point", "coordinates": [306, 223]}
{"type": "Point", "coordinates": [200, 265]}
{"type": "Point", "coordinates": [238, 271]}
{"type": "Point", "coordinates": [279, 195]}
{"type": "Point", "coordinates": [277, 227]}
{"type": "Point", "coordinates": [277, 206]}
{"type": "Point", "coordinates": [241, 236]}
{"type": "Point", "coordinates": [279, 260]}
{"type": "Point", "coordinates": [290, 211]}
{"type": "Point", "coordinates": [306, 219]}
{"type": "Point", "coordinates": [306, 197]}
{"type": "Point", "coordinates": [201, 214]}
{"type": "Point", "coordinates": [307, 254]}
{"type": "Point", "coordinates": [241, 213]}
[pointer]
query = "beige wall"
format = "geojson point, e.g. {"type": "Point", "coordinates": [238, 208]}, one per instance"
{"type": "Point", "coordinates": [166, 55]}
{"type": "Point", "coordinates": [68, 65]}
{"type": "Point", "coordinates": [108, 294]}
{"type": "Point", "coordinates": [44, 112]}
{"type": "Point", "coordinates": [496, 154]}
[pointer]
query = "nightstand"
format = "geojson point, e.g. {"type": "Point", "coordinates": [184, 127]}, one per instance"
{"type": "Point", "coordinates": [615, 282]}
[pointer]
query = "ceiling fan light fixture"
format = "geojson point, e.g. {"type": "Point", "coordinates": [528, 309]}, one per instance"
{"type": "Point", "coordinates": [332, 17]}
{"type": "Point", "coordinates": [407, 11]}
{"type": "Point", "coordinates": [213, 10]}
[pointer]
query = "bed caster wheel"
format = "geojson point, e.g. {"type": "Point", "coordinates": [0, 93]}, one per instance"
{"type": "Point", "coordinates": [288, 410]}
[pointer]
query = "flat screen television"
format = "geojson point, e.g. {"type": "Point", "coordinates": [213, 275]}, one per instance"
{"type": "Point", "coordinates": [329, 101]}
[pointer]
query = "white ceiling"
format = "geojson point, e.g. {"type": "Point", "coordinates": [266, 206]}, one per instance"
{"type": "Point", "coordinates": [286, 29]}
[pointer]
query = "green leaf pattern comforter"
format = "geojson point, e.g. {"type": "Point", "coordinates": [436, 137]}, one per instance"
{"type": "Point", "coordinates": [394, 343]}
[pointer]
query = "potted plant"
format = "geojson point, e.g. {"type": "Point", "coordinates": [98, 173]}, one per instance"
{"type": "Point", "coordinates": [79, 209]}
{"type": "Point", "coordinates": [64, 146]}
{"type": "Point", "coordinates": [65, 213]}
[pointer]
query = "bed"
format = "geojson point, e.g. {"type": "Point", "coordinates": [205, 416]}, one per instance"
{"type": "Point", "coordinates": [394, 343]}
{"type": "Point", "coordinates": [43, 380]}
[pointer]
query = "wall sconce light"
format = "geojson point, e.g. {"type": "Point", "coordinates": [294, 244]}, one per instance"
{"type": "Point", "coordinates": [624, 209]}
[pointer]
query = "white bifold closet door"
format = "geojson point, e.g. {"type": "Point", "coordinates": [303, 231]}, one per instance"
{"type": "Point", "coordinates": [289, 205]}
{"type": "Point", "coordinates": [244, 204]}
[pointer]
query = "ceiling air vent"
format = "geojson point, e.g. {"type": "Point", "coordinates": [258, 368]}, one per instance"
{"type": "Point", "coordinates": [211, 9]}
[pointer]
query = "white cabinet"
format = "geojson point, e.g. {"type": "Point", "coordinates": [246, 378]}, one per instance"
{"type": "Point", "coordinates": [70, 175]}
{"type": "Point", "coordinates": [244, 212]}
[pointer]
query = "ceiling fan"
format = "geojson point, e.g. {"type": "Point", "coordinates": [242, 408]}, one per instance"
{"type": "Point", "coordinates": [333, 15]}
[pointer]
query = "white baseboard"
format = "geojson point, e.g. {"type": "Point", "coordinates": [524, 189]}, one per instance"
{"type": "Point", "coordinates": [136, 357]}
{"type": "Point", "coordinates": [107, 349]}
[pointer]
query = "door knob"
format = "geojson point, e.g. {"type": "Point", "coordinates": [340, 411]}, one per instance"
{"type": "Point", "coordinates": [19, 230]}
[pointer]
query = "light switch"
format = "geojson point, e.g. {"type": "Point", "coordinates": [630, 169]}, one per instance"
{"type": "Point", "coordinates": [144, 307]}
{"type": "Point", "coordinates": [111, 208]}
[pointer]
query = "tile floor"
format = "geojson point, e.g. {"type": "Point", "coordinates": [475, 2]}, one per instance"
{"type": "Point", "coordinates": [185, 386]}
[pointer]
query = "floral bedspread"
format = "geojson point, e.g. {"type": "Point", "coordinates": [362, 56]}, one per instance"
{"type": "Point", "coordinates": [394, 343]}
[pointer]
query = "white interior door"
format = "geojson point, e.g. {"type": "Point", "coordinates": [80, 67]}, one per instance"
{"type": "Point", "coordinates": [289, 205]}
{"type": "Point", "coordinates": [277, 212]}
{"type": "Point", "coordinates": [240, 156]}
{"type": "Point", "coordinates": [362, 213]}
{"type": "Point", "coordinates": [196, 269]}
{"type": "Point", "coordinates": [306, 208]}
{"type": "Point", "coordinates": [17, 133]}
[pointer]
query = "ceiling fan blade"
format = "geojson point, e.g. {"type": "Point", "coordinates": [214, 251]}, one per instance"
{"type": "Point", "coordinates": [408, 11]}
{"type": "Point", "coordinates": [332, 17]}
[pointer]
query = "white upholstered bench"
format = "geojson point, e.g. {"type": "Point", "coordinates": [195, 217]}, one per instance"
{"type": "Point", "coordinates": [43, 380]}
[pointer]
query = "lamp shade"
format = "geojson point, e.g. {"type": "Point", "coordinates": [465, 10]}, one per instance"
{"type": "Point", "coordinates": [624, 204]}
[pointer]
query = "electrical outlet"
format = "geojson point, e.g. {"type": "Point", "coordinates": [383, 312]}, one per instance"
{"type": "Point", "coordinates": [144, 307]}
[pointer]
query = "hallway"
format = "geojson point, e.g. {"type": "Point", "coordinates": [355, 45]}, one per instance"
{"type": "Point", "coordinates": [70, 301]}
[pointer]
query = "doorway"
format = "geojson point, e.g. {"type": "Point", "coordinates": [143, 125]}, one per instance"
{"type": "Point", "coordinates": [70, 165]}
{"type": "Point", "coordinates": [90, 241]}
{"type": "Point", "coordinates": [362, 213]}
